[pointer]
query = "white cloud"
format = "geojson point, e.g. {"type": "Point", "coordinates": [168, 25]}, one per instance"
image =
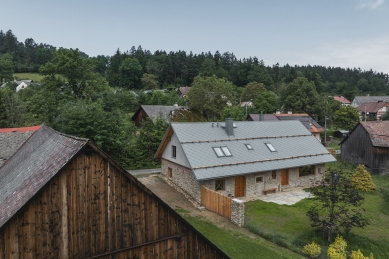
{"type": "Point", "coordinates": [370, 4]}
{"type": "Point", "coordinates": [365, 53]}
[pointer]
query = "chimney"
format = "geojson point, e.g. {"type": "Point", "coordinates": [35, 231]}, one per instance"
{"type": "Point", "coordinates": [230, 126]}
{"type": "Point", "coordinates": [261, 116]}
{"type": "Point", "coordinates": [290, 112]}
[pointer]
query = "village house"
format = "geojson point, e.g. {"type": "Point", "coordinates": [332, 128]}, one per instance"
{"type": "Point", "coordinates": [62, 197]}
{"type": "Point", "coordinates": [358, 100]}
{"type": "Point", "coordinates": [368, 144]}
{"type": "Point", "coordinates": [243, 158]}
{"type": "Point", "coordinates": [153, 112]}
{"type": "Point", "coordinates": [373, 110]}
{"type": "Point", "coordinates": [342, 99]}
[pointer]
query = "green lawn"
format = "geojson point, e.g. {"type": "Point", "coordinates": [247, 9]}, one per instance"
{"type": "Point", "coordinates": [36, 77]}
{"type": "Point", "coordinates": [235, 244]}
{"type": "Point", "coordinates": [290, 227]}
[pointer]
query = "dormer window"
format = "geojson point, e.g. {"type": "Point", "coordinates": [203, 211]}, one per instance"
{"type": "Point", "coordinates": [270, 147]}
{"type": "Point", "coordinates": [222, 151]}
{"type": "Point", "coordinates": [249, 147]}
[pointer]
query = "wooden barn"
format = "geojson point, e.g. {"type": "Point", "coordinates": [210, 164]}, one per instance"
{"type": "Point", "coordinates": [62, 197]}
{"type": "Point", "coordinates": [368, 144]}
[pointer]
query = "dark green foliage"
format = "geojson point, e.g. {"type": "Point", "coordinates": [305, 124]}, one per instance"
{"type": "Point", "coordinates": [346, 117]}
{"type": "Point", "coordinates": [266, 103]}
{"type": "Point", "coordinates": [3, 112]}
{"type": "Point", "coordinates": [6, 68]}
{"type": "Point", "coordinates": [235, 112]}
{"type": "Point", "coordinates": [130, 73]}
{"type": "Point", "coordinates": [385, 117]}
{"type": "Point", "coordinates": [337, 207]}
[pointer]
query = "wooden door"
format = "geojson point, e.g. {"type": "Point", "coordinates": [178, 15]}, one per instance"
{"type": "Point", "coordinates": [284, 177]}
{"type": "Point", "coordinates": [240, 186]}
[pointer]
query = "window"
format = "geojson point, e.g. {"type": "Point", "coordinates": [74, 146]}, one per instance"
{"type": "Point", "coordinates": [174, 151]}
{"type": "Point", "coordinates": [319, 170]}
{"type": "Point", "coordinates": [274, 174]}
{"type": "Point", "coordinates": [249, 147]}
{"type": "Point", "coordinates": [306, 170]}
{"type": "Point", "coordinates": [270, 147]}
{"type": "Point", "coordinates": [258, 179]}
{"type": "Point", "coordinates": [219, 185]}
{"type": "Point", "coordinates": [222, 151]}
{"type": "Point", "coordinates": [169, 172]}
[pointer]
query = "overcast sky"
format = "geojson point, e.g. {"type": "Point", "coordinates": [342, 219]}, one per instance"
{"type": "Point", "coordinates": [345, 33]}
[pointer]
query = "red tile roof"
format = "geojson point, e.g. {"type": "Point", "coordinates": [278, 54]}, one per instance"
{"type": "Point", "coordinates": [24, 129]}
{"type": "Point", "coordinates": [342, 99]}
{"type": "Point", "coordinates": [378, 132]}
{"type": "Point", "coordinates": [371, 107]}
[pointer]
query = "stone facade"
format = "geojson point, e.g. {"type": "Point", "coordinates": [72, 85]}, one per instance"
{"type": "Point", "coordinates": [183, 177]}
{"type": "Point", "coordinates": [255, 184]}
{"type": "Point", "coordinates": [237, 212]}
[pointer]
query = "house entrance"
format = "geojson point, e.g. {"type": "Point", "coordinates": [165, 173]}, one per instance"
{"type": "Point", "coordinates": [284, 177]}
{"type": "Point", "coordinates": [240, 186]}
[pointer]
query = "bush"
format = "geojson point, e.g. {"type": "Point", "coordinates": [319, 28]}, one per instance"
{"type": "Point", "coordinates": [362, 180]}
{"type": "Point", "coordinates": [313, 250]}
{"type": "Point", "coordinates": [337, 250]}
{"type": "Point", "coordinates": [358, 255]}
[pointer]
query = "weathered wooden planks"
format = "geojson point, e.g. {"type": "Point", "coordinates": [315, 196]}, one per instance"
{"type": "Point", "coordinates": [216, 202]}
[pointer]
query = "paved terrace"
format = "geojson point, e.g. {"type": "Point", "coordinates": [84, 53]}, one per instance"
{"type": "Point", "coordinates": [286, 197]}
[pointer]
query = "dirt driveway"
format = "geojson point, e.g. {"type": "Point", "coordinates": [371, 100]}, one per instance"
{"type": "Point", "coordinates": [176, 199]}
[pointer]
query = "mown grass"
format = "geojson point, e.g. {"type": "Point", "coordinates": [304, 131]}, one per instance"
{"type": "Point", "coordinates": [235, 244]}
{"type": "Point", "coordinates": [290, 227]}
{"type": "Point", "coordinates": [36, 77]}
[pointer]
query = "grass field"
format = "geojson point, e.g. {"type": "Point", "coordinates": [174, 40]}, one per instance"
{"type": "Point", "coordinates": [290, 227]}
{"type": "Point", "coordinates": [235, 244]}
{"type": "Point", "coordinates": [36, 77]}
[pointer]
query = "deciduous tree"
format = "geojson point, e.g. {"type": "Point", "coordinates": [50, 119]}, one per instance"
{"type": "Point", "coordinates": [130, 72]}
{"type": "Point", "coordinates": [252, 91]}
{"type": "Point", "coordinates": [6, 68]}
{"type": "Point", "coordinates": [210, 95]}
{"type": "Point", "coordinates": [346, 117]}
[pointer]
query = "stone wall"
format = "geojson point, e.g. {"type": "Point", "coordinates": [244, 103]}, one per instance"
{"type": "Point", "coordinates": [237, 212]}
{"type": "Point", "coordinates": [183, 178]}
{"type": "Point", "coordinates": [295, 180]}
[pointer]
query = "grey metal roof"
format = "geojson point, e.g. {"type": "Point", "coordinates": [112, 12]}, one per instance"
{"type": "Point", "coordinates": [304, 119]}
{"type": "Point", "coordinates": [32, 166]}
{"type": "Point", "coordinates": [358, 100]}
{"type": "Point", "coordinates": [295, 147]}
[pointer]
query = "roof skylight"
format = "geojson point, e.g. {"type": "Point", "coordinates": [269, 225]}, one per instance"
{"type": "Point", "coordinates": [222, 151]}
{"type": "Point", "coordinates": [249, 147]}
{"type": "Point", "coordinates": [270, 147]}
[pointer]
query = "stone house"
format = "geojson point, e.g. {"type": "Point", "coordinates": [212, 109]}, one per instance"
{"type": "Point", "coordinates": [241, 159]}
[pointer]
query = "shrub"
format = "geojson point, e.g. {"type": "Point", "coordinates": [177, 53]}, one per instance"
{"type": "Point", "coordinates": [312, 250]}
{"type": "Point", "coordinates": [362, 180]}
{"type": "Point", "coordinates": [337, 250]}
{"type": "Point", "coordinates": [358, 255]}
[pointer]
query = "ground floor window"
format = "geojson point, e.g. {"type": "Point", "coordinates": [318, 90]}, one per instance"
{"type": "Point", "coordinates": [169, 172]}
{"type": "Point", "coordinates": [258, 179]}
{"type": "Point", "coordinates": [219, 185]}
{"type": "Point", "coordinates": [274, 174]}
{"type": "Point", "coordinates": [306, 170]}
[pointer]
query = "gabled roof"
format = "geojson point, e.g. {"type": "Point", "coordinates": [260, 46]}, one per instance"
{"type": "Point", "coordinates": [372, 107]}
{"type": "Point", "coordinates": [183, 90]}
{"type": "Point", "coordinates": [378, 132]}
{"type": "Point", "coordinates": [305, 119]}
{"type": "Point", "coordinates": [342, 99]}
{"type": "Point", "coordinates": [266, 117]}
{"type": "Point", "coordinates": [295, 146]}
{"type": "Point", "coordinates": [358, 100]}
{"type": "Point", "coordinates": [157, 111]}
{"type": "Point", "coordinates": [11, 139]}
{"type": "Point", "coordinates": [32, 166]}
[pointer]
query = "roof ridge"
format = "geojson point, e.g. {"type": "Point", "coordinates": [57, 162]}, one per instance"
{"type": "Point", "coordinates": [237, 139]}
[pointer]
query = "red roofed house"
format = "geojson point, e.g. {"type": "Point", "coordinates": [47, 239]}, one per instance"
{"type": "Point", "coordinates": [373, 110]}
{"type": "Point", "coordinates": [342, 99]}
{"type": "Point", "coordinates": [368, 144]}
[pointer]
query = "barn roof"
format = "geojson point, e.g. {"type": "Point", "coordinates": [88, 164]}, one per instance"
{"type": "Point", "coordinates": [378, 132]}
{"type": "Point", "coordinates": [11, 139]}
{"type": "Point", "coordinates": [36, 161]}
{"type": "Point", "coordinates": [294, 146]}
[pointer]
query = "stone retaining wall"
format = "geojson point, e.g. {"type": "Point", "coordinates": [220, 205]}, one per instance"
{"type": "Point", "coordinates": [237, 212]}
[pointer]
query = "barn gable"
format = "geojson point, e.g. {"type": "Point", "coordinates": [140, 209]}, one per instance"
{"type": "Point", "coordinates": [65, 198]}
